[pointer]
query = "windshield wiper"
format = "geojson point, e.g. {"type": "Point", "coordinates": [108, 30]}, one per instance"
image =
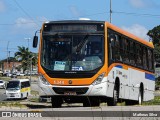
{"type": "Point", "coordinates": [82, 43]}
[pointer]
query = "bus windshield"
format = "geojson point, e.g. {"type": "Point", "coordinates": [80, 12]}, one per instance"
{"type": "Point", "coordinates": [13, 85]}
{"type": "Point", "coordinates": [72, 52]}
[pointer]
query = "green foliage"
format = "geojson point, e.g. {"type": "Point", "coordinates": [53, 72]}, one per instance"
{"type": "Point", "coordinates": [157, 52]}
{"type": "Point", "coordinates": [156, 101]}
{"type": "Point", "coordinates": [158, 81]}
{"type": "Point", "coordinates": [25, 56]}
{"type": "Point", "coordinates": [155, 35]}
{"type": "Point", "coordinates": [12, 104]}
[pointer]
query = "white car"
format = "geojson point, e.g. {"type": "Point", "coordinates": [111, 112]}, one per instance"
{"type": "Point", "coordinates": [22, 74]}
{"type": "Point", "coordinates": [2, 84]}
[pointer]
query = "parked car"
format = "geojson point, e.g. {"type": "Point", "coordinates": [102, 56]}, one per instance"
{"type": "Point", "coordinates": [14, 75]}
{"type": "Point", "coordinates": [22, 74]}
{"type": "Point", "coordinates": [2, 84]}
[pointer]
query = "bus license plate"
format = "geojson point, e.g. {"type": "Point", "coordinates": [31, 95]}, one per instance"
{"type": "Point", "coordinates": [70, 93]}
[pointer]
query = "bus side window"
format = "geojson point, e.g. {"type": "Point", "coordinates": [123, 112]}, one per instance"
{"type": "Point", "coordinates": [132, 53]}
{"type": "Point", "coordinates": [22, 85]}
{"type": "Point", "coordinates": [139, 55]}
{"type": "Point", "coordinates": [111, 46]}
{"type": "Point", "coordinates": [125, 50]}
{"type": "Point", "coordinates": [150, 60]}
{"type": "Point", "coordinates": [27, 84]}
{"type": "Point", "coordinates": [144, 58]}
{"type": "Point", "coordinates": [117, 49]}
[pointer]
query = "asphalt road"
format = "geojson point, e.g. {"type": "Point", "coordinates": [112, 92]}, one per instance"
{"type": "Point", "coordinates": [2, 94]}
{"type": "Point", "coordinates": [34, 87]}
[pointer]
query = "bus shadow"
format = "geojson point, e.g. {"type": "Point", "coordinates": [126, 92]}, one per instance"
{"type": "Point", "coordinates": [30, 106]}
{"type": "Point", "coordinates": [33, 106]}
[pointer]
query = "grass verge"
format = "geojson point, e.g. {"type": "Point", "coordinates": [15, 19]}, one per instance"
{"type": "Point", "coordinates": [12, 104]}
{"type": "Point", "coordinates": [156, 101]}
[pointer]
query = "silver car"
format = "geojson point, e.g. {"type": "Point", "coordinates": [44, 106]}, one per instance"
{"type": "Point", "coordinates": [2, 84]}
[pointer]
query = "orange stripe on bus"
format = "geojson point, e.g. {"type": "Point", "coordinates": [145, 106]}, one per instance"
{"type": "Point", "coordinates": [126, 68]}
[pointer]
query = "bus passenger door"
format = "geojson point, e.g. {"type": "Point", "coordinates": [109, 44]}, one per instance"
{"type": "Point", "coordinates": [124, 82]}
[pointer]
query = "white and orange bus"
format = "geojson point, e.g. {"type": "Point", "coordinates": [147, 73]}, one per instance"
{"type": "Point", "coordinates": [91, 62]}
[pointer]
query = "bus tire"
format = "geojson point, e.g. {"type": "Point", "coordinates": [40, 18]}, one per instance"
{"type": "Point", "coordinates": [56, 102]}
{"type": "Point", "coordinates": [135, 102]}
{"type": "Point", "coordinates": [27, 95]}
{"type": "Point", "coordinates": [113, 101]}
{"type": "Point", "coordinates": [140, 97]}
{"type": "Point", "coordinates": [21, 96]}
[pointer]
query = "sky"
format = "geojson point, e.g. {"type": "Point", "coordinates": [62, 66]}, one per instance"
{"type": "Point", "coordinates": [19, 19]}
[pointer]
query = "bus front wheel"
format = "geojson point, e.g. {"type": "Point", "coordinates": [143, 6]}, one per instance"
{"type": "Point", "coordinates": [113, 101]}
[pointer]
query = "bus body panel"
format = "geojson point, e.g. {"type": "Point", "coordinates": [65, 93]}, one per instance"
{"type": "Point", "coordinates": [130, 80]}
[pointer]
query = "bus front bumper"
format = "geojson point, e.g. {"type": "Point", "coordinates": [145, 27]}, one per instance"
{"type": "Point", "coordinates": [91, 90]}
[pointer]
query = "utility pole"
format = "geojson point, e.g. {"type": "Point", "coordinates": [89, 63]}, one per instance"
{"type": "Point", "coordinates": [7, 58]}
{"type": "Point", "coordinates": [28, 54]}
{"type": "Point", "coordinates": [110, 11]}
{"type": "Point", "coordinates": [28, 41]}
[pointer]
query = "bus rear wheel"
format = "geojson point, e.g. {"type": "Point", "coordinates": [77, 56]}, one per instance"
{"type": "Point", "coordinates": [135, 102]}
{"type": "Point", "coordinates": [140, 97]}
{"type": "Point", "coordinates": [56, 102]}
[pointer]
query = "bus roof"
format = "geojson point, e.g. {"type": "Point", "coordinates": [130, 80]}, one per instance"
{"type": "Point", "coordinates": [115, 28]}
{"type": "Point", "coordinates": [74, 21]}
{"type": "Point", "coordinates": [109, 25]}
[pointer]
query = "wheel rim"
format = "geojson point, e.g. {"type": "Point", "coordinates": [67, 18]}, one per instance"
{"type": "Point", "coordinates": [140, 99]}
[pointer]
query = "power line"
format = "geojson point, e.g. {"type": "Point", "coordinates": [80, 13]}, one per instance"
{"type": "Point", "coordinates": [10, 24]}
{"type": "Point", "coordinates": [138, 14]}
{"type": "Point", "coordinates": [113, 12]}
{"type": "Point", "coordinates": [25, 12]}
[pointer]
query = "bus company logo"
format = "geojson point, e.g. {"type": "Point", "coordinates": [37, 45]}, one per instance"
{"type": "Point", "coordinates": [6, 114]}
{"type": "Point", "coordinates": [70, 81]}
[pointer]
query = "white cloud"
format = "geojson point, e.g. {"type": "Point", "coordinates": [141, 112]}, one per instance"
{"type": "Point", "coordinates": [137, 30]}
{"type": "Point", "coordinates": [42, 19]}
{"type": "Point", "coordinates": [25, 23]}
{"type": "Point", "coordinates": [141, 3]}
{"type": "Point", "coordinates": [2, 6]}
{"type": "Point", "coordinates": [74, 11]}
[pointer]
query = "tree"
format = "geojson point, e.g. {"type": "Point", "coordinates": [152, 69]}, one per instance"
{"type": "Point", "coordinates": [24, 56]}
{"type": "Point", "coordinates": [155, 35]}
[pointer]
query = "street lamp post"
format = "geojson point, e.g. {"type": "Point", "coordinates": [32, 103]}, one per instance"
{"type": "Point", "coordinates": [28, 41]}
{"type": "Point", "coordinates": [28, 54]}
{"type": "Point", "coordinates": [7, 59]}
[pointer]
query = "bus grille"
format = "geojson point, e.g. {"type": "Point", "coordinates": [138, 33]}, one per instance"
{"type": "Point", "coordinates": [59, 90]}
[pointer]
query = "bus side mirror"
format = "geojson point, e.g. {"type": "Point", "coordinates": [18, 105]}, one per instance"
{"type": "Point", "coordinates": [35, 41]}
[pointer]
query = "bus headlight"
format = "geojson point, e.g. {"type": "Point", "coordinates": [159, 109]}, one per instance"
{"type": "Point", "coordinates": [43, 80]}
{"type": "Point", "coordinates": [99, 79]}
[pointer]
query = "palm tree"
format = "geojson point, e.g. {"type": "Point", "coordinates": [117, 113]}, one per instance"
{"type": "Point", "coordinates": [24, 56]}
